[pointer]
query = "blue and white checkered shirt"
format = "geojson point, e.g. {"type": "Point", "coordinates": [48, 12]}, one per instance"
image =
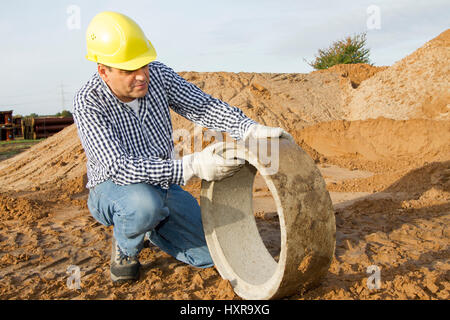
{"type": "Point", "coordinates": [127, 149]}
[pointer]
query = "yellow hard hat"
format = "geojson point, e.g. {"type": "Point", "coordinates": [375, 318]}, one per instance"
{"type": "Point", "coordinates": [115, 40]}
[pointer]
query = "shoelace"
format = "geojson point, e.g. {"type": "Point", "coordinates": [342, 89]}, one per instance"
{"type": "Point", "coordinates": [120, 256]}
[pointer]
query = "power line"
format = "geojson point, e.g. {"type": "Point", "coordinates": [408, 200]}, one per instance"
{"type": "Point", "coordinates": [34, 103]}
{"type": "Point", "coordinates": [46, 92]}
{"type": "Point", "coordinates": [27, 101]}
{"type": "Point", "coordinates": [73, 89]}
{"type": "Point", "coordinates": [42, 99]}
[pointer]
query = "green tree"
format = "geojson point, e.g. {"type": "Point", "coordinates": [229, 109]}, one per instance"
{"type": "Point", "coordinates": [349, 50]}
{"type": "Point", "coordinates": [64, 113]}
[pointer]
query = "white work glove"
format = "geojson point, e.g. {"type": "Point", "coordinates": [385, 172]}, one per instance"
{"type": "Point", "coordinates": [209, 165]}
{"type": "Point", "coordinates": [258, 131]}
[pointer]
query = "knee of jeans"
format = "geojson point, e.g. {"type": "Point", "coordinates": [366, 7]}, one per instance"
{"type": "Point", "coordinates": [148, 213]}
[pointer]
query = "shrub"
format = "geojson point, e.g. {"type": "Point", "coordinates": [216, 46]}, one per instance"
{"type": "Point", "coordinates": [348, 50]}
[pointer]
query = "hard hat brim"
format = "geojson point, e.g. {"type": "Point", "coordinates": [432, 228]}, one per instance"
{"type": "Point", "coordinates": [133, 64]}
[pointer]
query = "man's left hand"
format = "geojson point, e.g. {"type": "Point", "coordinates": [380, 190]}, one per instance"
{"type": "Point", "coordinates": [258, 131]}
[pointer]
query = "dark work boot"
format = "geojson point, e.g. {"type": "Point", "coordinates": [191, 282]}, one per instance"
{"type": "Point", "coordinates": [123, 268]}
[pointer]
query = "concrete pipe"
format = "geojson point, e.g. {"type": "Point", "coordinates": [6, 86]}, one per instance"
{"type": "Point", "coordinates": [305, 213]}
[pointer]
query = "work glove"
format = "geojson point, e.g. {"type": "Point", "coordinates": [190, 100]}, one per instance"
{"type": "Point", "coordinates": [258, 131]}
{"type": "Point", "coordinates": [210, 164]}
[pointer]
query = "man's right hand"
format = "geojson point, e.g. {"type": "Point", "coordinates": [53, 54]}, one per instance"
{"type": "Point", "coordinates": [209, 165]}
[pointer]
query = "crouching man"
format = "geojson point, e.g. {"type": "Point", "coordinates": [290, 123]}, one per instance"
{"type": "Point", "coordinates": [123, 121]}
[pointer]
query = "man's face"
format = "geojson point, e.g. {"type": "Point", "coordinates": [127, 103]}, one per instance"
{"type": "Point", "coordinates": [126, 85]}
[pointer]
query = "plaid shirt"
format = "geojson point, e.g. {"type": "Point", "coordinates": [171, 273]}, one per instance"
{"type": "Point", "coordinates": [127, 149]}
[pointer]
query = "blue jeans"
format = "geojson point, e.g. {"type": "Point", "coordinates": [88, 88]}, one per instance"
{"type": "Point", "coordinates": [171, 218]}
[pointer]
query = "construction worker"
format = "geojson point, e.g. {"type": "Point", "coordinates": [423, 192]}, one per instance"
{"type": "Point", "coordinates": [123, 120]}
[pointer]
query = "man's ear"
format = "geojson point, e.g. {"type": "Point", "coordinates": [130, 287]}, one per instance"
{"type": "Point", "coordinates": [101, 69]}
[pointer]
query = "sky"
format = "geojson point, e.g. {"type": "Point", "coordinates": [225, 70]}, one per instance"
{"type": "Point", "coordinates": [43, 44]}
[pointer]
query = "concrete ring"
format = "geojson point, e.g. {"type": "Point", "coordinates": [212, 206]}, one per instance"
{"type": "Point", "coordinates": [305, 212]}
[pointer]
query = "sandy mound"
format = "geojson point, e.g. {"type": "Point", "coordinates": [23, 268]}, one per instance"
{"type": "Point", "coordinates": [415, 87]}
{"type": "Point", "coordinates": [57, 164]}
{"type": "Point", "coordinates": [366, 143]}
{"type": "Point", "coordinates": [356, 73]}
{"type": "Point", "coordinates": [286, 100]}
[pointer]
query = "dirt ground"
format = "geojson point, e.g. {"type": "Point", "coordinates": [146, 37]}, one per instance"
{"type": "Point", "coordinates": [388, 175]}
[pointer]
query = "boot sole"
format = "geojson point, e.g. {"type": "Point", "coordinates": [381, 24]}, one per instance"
{"type": "Point", "coordinates": [123, 279]}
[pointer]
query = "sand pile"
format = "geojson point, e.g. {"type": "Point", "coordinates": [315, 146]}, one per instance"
{"type": "Point", "coordinates": [57, 164]}
{"type": "Point", "coordinates": [356, 73]}
{"type": "Point", "coordinates": [415, 87]}
{"type": "Point", "coordinates": [379, 144]}
{"type": "Point", "coordinates": [287, 100]}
